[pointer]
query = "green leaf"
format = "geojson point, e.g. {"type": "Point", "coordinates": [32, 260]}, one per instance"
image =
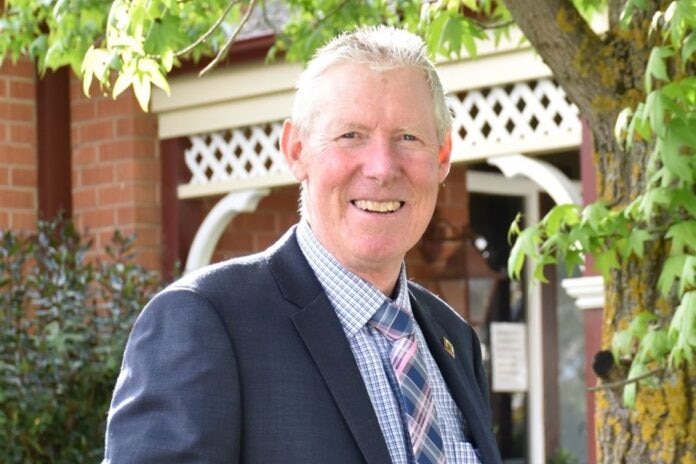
{"type": "Point", "coordinates": [514, 227]}
{"type": "Point", "coordinates": [525, 245]}
{"type": "Point", "coordinates": [670, 271]}
{"type": "Point", "coordinates": [683, 237]}
{"type": "Point", "coordinates": [686, 199]}
{"type": "Point", "coordinates": [594, 214]}
{"type": "Point", "coordinates": [656, 66]}
{"type": "Point", "coordinates": [573, 260]}
{"type": "Point", "coordinates": [621, 343]}
{"type": "Point", "coordinates": [654, 346]}
{"type": "Point", "coordinates": [606, 261]}
{"type": "Point", "coordinates": [687, 280]}
{"type": "Point", "coordinates": [141, 86]}
{"type": "Point", "coordinates": [683, 326]}
{"type": "Point", "coordinates": [688, 47]}
{"type": "Point", "coordinates": [539, 275]}
{"type": "Point", "coordinates": [636, 242]}
{"type": "Point", "coordinates": [684, 130]}
{"type": "Point", "coordinates": [123, 81]}
{"type": "Point", "coordinates": [151, 69]}
{"type": "Point", "coordinates": [653, 199]}
{"type": "Point", "coordinates": [168, 59]}
{"type": "Point", "coordinates": [560, 215]}
{"type": "Point", "coordinates": [655, 109]}
{"type": "Point", "coordinates": [621, 132]}
{"type": "Point", "coordinates": [629, 395]}
{"type": "Point", "coordinates": [641, 323]}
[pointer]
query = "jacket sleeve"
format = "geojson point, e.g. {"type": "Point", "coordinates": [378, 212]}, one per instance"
{"type": "Point", "coordinates": [177, 396]}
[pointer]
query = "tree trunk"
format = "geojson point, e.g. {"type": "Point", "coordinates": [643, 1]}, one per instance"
{"type": "Point", "coordinates": [602, 75]}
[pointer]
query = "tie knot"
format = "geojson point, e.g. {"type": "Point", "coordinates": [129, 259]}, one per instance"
{"type": "Point", "coordinates": [392, 321]}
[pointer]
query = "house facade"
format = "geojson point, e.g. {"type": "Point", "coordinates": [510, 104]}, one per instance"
{"type": "Point", "coordinates": [200, 179]}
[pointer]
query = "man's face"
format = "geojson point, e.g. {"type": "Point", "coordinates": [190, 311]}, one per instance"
{"type": "Point", "coordinates": [371, 165]}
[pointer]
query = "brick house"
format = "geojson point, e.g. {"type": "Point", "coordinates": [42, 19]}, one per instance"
{"type": "Point", "coordinates": [199, 179]}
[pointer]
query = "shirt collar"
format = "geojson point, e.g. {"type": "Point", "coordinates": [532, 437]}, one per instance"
{"type": "Point", "coordinates": [354, 299]}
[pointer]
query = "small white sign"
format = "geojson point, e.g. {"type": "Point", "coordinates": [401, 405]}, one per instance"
{"type": "Point", "coordinates": [509, 356]}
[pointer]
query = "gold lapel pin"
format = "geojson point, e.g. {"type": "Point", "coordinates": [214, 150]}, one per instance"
{"type": "Point", "coordinates": [449, 348]}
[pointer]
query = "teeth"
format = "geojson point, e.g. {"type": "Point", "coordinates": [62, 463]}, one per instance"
{"type": "Point", "coordinates": [378, 206]}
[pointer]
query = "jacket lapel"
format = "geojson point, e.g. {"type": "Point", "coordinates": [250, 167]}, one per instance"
{"type": "Point", "coordinates": [462, 383]}
{"type": "Point", "coordinates": [319, 327]}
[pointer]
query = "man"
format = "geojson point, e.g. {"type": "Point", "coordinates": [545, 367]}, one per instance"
{"type": "Point", "coordinates": [319, 350]}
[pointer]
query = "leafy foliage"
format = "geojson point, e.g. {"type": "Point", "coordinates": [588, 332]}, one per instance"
{"type": "Point", "coordinates": [63, 326]}
{"type": "Point", "coordinates": [665, 210]}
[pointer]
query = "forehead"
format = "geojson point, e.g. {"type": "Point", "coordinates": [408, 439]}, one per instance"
{"type": "Point", "coordinates": [359, 94]}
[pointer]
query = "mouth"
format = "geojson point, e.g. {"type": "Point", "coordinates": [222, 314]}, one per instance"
{"type": "Point", "coordinates": [380, 207]}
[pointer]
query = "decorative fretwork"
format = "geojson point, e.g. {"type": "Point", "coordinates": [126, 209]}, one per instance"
{"type": "Point", "coordinates": [521, 115]}
{"type": "Point", "coordinates": [524, 117]}
{"type": "Point", "coordinates": [235, 154]}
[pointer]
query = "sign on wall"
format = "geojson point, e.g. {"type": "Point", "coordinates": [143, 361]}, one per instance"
{"type": "Point", "coordinates": [509, 356]}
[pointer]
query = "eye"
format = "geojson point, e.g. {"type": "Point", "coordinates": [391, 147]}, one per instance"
{"type": "Point", "coordinates": [409, 137]}
{"type": "Point", "coordinates": [349, 135]}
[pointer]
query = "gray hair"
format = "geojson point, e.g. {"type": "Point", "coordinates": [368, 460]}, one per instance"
{"type": "Point", "coordinates": [380, 48]}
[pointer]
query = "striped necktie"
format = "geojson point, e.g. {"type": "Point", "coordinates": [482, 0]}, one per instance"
{"type": "Point", "coordinates": [398, 326]}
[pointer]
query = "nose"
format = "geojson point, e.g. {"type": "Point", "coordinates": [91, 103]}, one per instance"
{"type": "Point", "coordinates": [381, 162]}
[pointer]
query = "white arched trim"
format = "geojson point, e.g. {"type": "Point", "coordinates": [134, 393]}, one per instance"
{"type": "Point", "coordinates": [216, 221]}
{"type": "Point", "coordinates": [544, 174]}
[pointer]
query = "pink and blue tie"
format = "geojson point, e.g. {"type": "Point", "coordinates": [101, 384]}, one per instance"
{"type": "Point", "coordinates": [398, 326]}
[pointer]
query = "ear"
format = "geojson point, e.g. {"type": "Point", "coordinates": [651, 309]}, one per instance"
{"type": "Point", "coordinates": [443, 157]}
{"type": "Point", "coordinates": [291, 147]}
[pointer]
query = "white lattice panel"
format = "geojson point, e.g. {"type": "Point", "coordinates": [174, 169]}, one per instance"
{"type": "Point", "coordinates": [235, 154]}
{"type": "Point", "coordinates": [525, 117]}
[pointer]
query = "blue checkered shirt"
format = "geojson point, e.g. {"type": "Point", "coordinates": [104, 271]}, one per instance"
{"type": "Point", "coordinates": [355, 301]}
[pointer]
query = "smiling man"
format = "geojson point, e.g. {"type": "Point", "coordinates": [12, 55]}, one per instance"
{"type": "Point", "coordinates": [320, 350]}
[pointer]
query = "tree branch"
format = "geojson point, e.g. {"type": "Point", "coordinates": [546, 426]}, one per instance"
{"type": "Point", "coordinates": [210, 31]}
{"type": "Point", "coordinates": [223, 51]}
{"type": "Point", "coordinates": [335, 10]}
{"type": "Point", "coordinates": [266, 19]}
{"type": "Point", "coordinates": [622, 383]}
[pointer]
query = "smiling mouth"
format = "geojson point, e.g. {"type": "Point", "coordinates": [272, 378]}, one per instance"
{"type": "Point", "coordinates": [382, 207]}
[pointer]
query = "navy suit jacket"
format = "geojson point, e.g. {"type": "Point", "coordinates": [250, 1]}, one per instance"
{"type": "Point", "coordinates": [247, 362]}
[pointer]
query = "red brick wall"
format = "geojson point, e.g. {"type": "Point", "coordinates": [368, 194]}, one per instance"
{"type": "Point", "coordinates": [116, 171]}
{"type": "Point", "coordinates": [452, 206]}
{"type": "Point", "coordinates": [18, 172]}
{"type": "Point", "coordinates": [251, 232]}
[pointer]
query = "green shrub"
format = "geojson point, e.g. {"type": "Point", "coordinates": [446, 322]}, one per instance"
{"type": "Point", "coordinates": [64, 321]}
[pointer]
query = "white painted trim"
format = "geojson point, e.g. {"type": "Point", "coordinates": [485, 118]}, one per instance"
{"type": "Point", "coordinates": [494, 66]}
{"type": "Point", "coordinates": [546, 175]}
{"type": "Point", "coordinates": [535, 418]}
{"type": "Point", "coordinates": [588, 292]}
{"type": "Point", "coordinates": [225, 114]}
{"type": "Point", "coordinates": [496, 184]}
{"type": "Point", "coordinates": [216, 221]}
{"type": "Point", "coordinates": [555, 142]}
{"type": "Point", "coordinates": [236, 82]}
{"type": "Point", "coordinates": [234, 185]}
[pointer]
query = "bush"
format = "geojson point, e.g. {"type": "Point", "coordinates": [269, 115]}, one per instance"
{"type": "Point", "coordinates": [64, 321]}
